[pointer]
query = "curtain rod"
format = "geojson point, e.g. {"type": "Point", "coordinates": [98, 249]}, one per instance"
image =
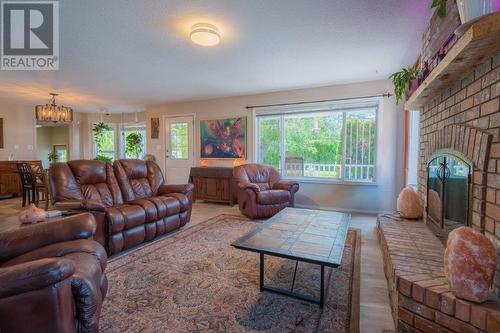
{"type": "Point", "coordinates": [320, 101]}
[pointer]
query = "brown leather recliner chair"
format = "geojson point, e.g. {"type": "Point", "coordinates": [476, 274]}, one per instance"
{"type": "Point", "coordinates": [129, 201]}
{"type": "Point", "coordinates": [52, 277]}
{"type": "Point", "coordinates": [261, 191]}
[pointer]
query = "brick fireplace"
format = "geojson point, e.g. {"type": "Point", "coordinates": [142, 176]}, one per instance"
{"type": "Point", "coordinates": [466, 118]}
{"type": "Point", "coordinates": [462, 119]}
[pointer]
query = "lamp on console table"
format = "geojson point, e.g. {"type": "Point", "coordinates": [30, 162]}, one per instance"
{"type": "Point", "coordinates": [204, 163]}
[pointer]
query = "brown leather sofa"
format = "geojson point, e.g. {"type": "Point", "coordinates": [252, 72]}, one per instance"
{"type": "Point", "coordinates": [52, 277]}
{"type": "Point", "coordinates": [261, 191]}
{"type": "Point", "coordinates": [129, 199]}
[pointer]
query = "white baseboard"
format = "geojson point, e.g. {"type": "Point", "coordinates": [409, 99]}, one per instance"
{"type": "Point", "coordinates": [344, 210]}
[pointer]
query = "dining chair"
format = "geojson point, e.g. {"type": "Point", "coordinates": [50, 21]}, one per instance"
{"type": "Point", "coordinates": [27, 182]}
{"type": "Point", "coordinates": [41, 183]}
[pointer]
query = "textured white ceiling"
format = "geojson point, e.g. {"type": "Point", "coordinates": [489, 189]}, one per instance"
{"type": "Point", "coordinates": [124, 55]}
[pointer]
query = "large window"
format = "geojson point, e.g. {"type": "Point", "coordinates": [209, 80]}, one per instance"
{"type": "Point", "coordinates": [326, 141]}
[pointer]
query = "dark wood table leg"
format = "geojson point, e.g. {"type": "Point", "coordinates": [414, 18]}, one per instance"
{"type": "Point", "coordinates": [261, 281]}
{"type": "Point", "coordinates": [322, 288]}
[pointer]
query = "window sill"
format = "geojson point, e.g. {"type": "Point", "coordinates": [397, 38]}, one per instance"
{"type": "Point", "coordinates": [331, 181]}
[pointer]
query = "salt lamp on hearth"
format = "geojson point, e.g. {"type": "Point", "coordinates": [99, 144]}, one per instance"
{"type": "Point", "coordinates": [469, 264]}
{"type": "Point", "coordinates": [204, 163]}
{"type": "Point", "coordinates": [408, 204]}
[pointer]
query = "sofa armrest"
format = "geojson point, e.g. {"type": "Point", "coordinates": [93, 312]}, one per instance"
{"type": "Point", "coordinates": [249, 186]}
{"type": "Point", "coordinates": [175, 188]}
{"type": "Point", "coordinates": [288, 185]}
{"type": "Point", "coordinates": [34, 275]}
{"type": "Point", "coordinates": [88, 205]}
{"type": "Point", "coordinates": [19, 241]}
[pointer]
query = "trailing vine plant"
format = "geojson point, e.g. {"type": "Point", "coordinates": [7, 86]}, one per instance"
{"type": "Point", "coordinates": [401, 80]}
{"type": "Point", "coordinates": [99, 130]}
{"type": "Point", "coordinates": [441, 7]}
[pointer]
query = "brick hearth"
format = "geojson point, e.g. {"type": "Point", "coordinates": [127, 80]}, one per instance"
{"type": "Point", "coordinates": [420, 296]}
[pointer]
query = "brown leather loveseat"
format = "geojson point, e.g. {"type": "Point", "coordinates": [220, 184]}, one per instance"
{"type": "Point", "coordinates": [129, 199]}
{"type": "Point", "coordinates": [261, 191]}
{"type": "Point", "coordinates": [52, 277]}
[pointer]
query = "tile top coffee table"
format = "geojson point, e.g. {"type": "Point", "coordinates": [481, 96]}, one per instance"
{"type": "Point", "coordinates": [313, 236]}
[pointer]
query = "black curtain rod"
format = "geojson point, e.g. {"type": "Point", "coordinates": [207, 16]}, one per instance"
{"type": "Point", "coordinates": [324, 100]}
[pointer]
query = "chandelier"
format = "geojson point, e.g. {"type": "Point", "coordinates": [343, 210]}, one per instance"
{"type": "Point", "coordinates": [53, 112]}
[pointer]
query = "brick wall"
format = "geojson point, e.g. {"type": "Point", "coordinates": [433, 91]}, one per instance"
{"type": "Point", "coordinates": [466, 117]}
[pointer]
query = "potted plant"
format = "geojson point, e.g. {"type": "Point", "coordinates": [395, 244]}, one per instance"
{"type": "Point", "coordinates": [473, 9]}
{"type": "Point", "coordinates": [133, 144]}
{"type": "Point", "coordinates": [99, 131]}
{"type": "Point", "coordinates": [404, 80]}
{"type": "Point", "coordinates": [469, 10]}
{"type": "Point", "coordinates": [53, 157]}
{"type": "Point", "coordinates": [440, 6]}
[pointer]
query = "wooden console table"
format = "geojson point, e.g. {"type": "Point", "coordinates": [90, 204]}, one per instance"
{"type": "Point", "coordinates": [213, 184]}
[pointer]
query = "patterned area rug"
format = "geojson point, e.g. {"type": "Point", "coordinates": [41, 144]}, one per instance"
{"type": "Point", "coordinates": [194, 281]}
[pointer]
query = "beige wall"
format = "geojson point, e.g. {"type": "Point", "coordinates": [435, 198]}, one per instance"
{"type": "Point", "coordinates": [368, 198]}
{"type": "Point", "coordinates": [18, 131]}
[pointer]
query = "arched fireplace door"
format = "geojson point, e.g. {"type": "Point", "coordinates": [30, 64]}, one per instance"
{"type": "Point", "coordinates": [448, 191]}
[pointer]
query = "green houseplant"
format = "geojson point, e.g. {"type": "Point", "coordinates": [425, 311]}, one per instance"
{"type": "Point", "coordinates": [401, 80]}
{"type": "Point", "coordinates": [441, 7]}
{"type": "Point", "coordinates": [133, 144]}
{"type": "Point", "coordinates": [100, 130]}
{"type": "Point", "coordinates": [52, 157]}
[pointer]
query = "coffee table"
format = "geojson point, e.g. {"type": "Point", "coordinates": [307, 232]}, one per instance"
{"type": "Point", "coordinates": [312, 236]}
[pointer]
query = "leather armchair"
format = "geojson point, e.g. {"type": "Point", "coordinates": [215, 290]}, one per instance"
{"type": "Point", "coordinates": [52, 277]}
{"type": "Point", "coordinates": [261, 191]}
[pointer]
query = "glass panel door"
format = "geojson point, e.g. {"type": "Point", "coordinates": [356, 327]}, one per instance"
{"type": "Point", "coordinates": [179, 155]}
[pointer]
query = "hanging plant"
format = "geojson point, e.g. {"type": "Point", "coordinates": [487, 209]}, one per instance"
{"type": "Point", "coordinates": [441, 7]}
{"type": "Point", "coordinates": [99, 131]}
{"type": "Point", "coordinates": [133, 144]}
{"type": "Point", "coordinates": [401, 80]}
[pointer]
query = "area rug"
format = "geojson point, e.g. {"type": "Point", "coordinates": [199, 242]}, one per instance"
{"type": "Point", "coordinates": [194, 281]}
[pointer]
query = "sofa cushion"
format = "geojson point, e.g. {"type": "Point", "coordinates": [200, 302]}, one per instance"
{"type": "Point", "coordinates": [166, 206]}
{"type": "Point", "coordinates": [149, 208]}
{"type": "Point", "coordinates": [181, 198]}
{"type": "Point", "coordinates": [124, 217]}
{"type": "Point", "coordinates": [273, 197]}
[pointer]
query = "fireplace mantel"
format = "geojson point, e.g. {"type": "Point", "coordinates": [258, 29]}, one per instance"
{"type": "Point", "coordinates": [478, 43]}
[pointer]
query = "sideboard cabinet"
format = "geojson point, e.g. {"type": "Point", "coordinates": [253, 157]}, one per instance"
{"type": "Point", "coordinates": [213, 184]}
{"type": "Point", "coordinates": [10, 183]}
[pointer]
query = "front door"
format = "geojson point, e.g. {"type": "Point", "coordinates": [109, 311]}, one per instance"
{"type": "Point", "coordinates": [179, 154]}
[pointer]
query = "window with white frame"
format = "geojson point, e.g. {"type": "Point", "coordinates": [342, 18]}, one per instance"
{"type": "Point", "coordinates": [335, 141]}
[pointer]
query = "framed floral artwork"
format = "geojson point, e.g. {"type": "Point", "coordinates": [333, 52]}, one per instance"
{"type": "Point", "coordinates": [223, 138]}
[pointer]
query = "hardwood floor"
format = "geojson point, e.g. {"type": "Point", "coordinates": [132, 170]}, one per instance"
{"type": "Point", "coordinates": [375, 312]}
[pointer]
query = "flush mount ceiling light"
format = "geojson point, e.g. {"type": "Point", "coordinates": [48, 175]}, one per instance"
{"type": "Point", "coordinates": [205, 34]}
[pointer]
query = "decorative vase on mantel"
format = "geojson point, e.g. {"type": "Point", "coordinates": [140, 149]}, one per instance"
{"type": "Point", "coordinates": [472, 10]}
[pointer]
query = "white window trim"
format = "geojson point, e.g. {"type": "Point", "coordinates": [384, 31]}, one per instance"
{"type": "Point", "coordinates": [281, 110]}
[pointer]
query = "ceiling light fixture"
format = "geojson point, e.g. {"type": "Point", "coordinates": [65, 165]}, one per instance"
{"type": "Point", "coordinates": [205, 34]}
{"type": "Point", "coordinates": [51, 112]}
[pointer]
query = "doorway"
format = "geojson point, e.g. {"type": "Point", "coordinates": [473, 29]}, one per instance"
{"type": "Point", "coordinates": [179, 148]}
{"type": "Point", "coordinates": [52, 143]}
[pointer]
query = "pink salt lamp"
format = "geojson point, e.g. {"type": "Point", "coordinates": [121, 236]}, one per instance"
{"type": "Point", "coordinates": [408, 204]}
{"type": "Point", "coordinates": [204, 163]}
{"type": "Point", "coordinates": [32, 214]}
{"type": "Point", "coordinates": [236, 162]}
{"type": "Point", "coordinates": [470, 264]}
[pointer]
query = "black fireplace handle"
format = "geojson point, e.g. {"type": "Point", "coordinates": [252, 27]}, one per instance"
{"type": "Point", "coordinates": [443, 172]}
